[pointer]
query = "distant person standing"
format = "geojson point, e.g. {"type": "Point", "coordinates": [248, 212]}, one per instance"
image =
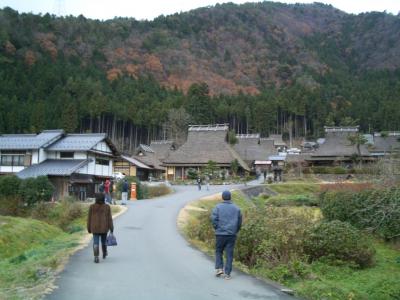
{"type": "Point", "coordinates": [107, 186]}
{"type": "Point", "coordinates": [226, 218]}
{"type": "Point", "coordinates": [125, 189]}
{"type": "Point", "coordinates": [99, 222]}
{"type": "Point", "coordinates": [101, 187]}
{"type": "Point", "coordinates": [199, 183]}
{"type": "Point", "coordinates": [207, 183]}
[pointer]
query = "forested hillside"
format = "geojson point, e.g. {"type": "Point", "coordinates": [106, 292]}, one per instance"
{"type": "Point", "coordinates": [265, 67]}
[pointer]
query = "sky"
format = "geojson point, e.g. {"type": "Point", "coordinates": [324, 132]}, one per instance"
{"type": "Point", "coordinates": [149, 9]}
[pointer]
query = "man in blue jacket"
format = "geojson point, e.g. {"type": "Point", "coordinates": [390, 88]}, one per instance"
{"type": "Point", "coordinates": [227, 220]}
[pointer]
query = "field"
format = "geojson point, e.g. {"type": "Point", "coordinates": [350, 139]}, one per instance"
{"type": "Point", "coordinates": [319, 279]}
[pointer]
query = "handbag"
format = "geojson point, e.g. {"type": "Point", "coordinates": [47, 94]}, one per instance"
{"type": "Point", "coordinates": [111, 240]}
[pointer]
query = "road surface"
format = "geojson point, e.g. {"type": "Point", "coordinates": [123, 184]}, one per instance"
{"type": "Point", "coordinates": [154, 262]}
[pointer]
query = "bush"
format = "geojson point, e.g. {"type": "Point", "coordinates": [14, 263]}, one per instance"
{"type": "Point", "coordinates": [157, 191]}
{"type": "Point", "coordinates": [293, 200]}
{"type": "Point", "coordinates": [328, 170]}
{"type": "Point", "coordinates": [338, 240]}
{"type": "Point", "coordinates": [62, 214]}
{"type": "Point", "coordinates": [273, 237]}
{"type": "Point", "coordinates": [12, 206]}
{"type": "Point", "coordinates": [9, 186]}
{"type": "Point", "coordinates": [34, 190]}
{"type": "Point", "coordinates": [200, 228]}
{"type": "Point", "coordinates": [377, 210]}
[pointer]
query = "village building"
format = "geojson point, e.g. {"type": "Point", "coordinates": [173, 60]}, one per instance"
{"type": "Point", "coordinates": [204, 143]}
{"type": "Point", "coordinates": [337, 149]}
{"type": "Point", "coordinates": [76, 164]}
{"type": "Point", "coordinates": [148, 156]}
{"type": "Point", "coordinates": [279, 144]}
{"type": "Point", "coordinates": [385, 144]}
{"type": "Point", "coordinates": [19, 151]}
{"type": "Point", "coordinates": [255, 151]}
{"type": "Point", "coordinates": [129, 166]}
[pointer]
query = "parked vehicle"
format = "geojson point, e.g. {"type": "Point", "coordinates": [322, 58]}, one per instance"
{"type": "Point", "coordinates": [118, 175]}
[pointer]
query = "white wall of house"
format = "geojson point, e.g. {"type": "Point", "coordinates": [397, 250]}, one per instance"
{"type": "Point", "coordinates": [10, 169]}
{"type": "Point", "coordinates": [103, 147]}
{"type": "Point", "coordinates": [94, 168]}
{"type": "Point", "coordinates": [35, 157]}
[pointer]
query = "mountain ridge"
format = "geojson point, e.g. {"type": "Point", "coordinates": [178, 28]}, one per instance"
{"type": "Point", "coordinates": [233, 48]}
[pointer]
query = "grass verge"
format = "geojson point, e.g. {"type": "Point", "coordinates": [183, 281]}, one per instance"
{"type": "Point", "coordinates": [33, 252]}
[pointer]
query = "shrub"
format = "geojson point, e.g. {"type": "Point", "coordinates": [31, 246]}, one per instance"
{"type": "Point", "coordinates": [200, 227]}
{"type": "Point", "coordinates": [336, 240]}
{"type": "Point", "coordinates": [9, 186]}
{"type": "Point", "coordinates": [157, 191]}
{"type": "Point", "coordinates": [12, 206]}
{"type": "Point", "coordinates": [376, 210]}
{"type": "Point", "coordinates": [273, 237]}
{"type": "Point", "coordinates": [293, 200]}
{"type": "Point", "coordinates": [69, 212]}
{"type": "Point", "coordinates": [35, 190]}
{"type": "Point", "coordinates": [347, 186]}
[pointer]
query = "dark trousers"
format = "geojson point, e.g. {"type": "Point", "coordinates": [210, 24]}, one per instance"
{"type": "Point", "coordinates": [224, 243]}
{"type": "Point", "coordinates": [99, 236]}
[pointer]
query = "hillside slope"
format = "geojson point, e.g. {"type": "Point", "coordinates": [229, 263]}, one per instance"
{"type": "Point", "coordinates": [230, 47]}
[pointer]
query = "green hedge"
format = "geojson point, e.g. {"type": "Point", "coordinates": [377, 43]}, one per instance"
{"type": "Point", "coordinates": [377, 210]}
{"type": "Point", "coordinates": [16, 194]}
{"type": "Point", "coordinates": [339, 241]}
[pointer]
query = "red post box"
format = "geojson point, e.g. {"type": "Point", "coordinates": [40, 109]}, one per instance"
{"type": "Point", "coordinates": [133, 191]}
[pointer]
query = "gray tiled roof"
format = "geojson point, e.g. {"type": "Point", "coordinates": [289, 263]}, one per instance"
{"type": "Point", "coordinates": [136, 162]}
{"type": "Point", "coordinates": [29, 141]}
{"type": "Point", "coordinates": [78, 142]}
{"type": "Point", "coordinates": [53, 167]}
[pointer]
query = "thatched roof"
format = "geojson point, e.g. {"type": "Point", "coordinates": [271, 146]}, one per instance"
{"type": "Point", "coordinates": [205, 143]}
{"type": "Point", "coordinates": [162, 148]}
{"type": "Point", "coordinates": [278, 141]}
{"type": "Point", "coordinates": [251, 148]}
{"type": "Point", "coordinates": [337, 144]}
{"type": "Point", "coordinates": [150, 159]}
{"type": "Point", "coordinates": [386, 144]}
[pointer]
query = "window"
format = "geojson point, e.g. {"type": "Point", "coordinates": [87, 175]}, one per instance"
{"type": "Point", "coordinates": [12, 160]}
{"type": "Point", "coordinates": [103, 162]}
{"type": "Point", "coordinates": [66, 154]}
{"type": "Point", "coordinates": [6, 160]}
{"type": "Point", "coordinates": [18, 160]}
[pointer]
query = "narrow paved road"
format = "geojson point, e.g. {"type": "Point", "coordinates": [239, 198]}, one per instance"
{"type": "Point", "coordinates": [154, 262]}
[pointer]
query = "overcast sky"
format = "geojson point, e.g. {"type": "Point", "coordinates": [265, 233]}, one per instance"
{"type": "Point", "coordinates": [149, 9]}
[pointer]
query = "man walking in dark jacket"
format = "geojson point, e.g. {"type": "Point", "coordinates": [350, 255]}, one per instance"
{"type": "Point", "coordinates": [227, 220]}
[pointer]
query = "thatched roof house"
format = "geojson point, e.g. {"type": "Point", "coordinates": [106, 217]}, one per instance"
{"type": "Point", "coordinates": [252, 148]}
{"type": "Point", "coordinates": [337, 147]}
{"type": "Point", "coordinates": [278, 140]}
{"type": "Point", "coordinates": [385, 145]}
{"type": "Point", "coordinates": [162, 148]}
{"type": "Point", "coordinates": [204, 143]}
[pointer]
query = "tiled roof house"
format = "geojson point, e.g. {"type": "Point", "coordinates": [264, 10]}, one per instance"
{"type": "Point", "coordinates": [75, 163]}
